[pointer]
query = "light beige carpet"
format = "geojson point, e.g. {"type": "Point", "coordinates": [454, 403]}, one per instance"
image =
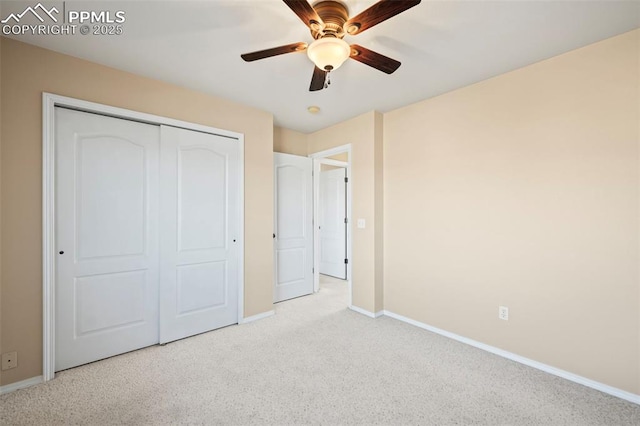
{"type": "Point", "coordinates": [315, 362]}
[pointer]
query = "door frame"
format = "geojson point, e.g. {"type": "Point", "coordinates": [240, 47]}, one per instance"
{"type": "Point", "coordinates": [49, 102]}
{"type": "Point", "coordinates": [320, 158]}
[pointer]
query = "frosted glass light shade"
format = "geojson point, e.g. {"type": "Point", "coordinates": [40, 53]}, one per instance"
{"type": "Point", "coordinates": [328, 53]}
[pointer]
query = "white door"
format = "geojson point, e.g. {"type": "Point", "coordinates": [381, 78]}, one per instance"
{"type": "Point", "coordinates": [333, 225]}
{"type": "Point", "coordinates": [293, 226]}
{"type": "Point", "coordinates": [199, 218]}
{"type": "Point", "coordinates": [106, 237]}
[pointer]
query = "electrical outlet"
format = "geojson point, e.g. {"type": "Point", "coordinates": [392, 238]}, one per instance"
{"type": "Point", "coordinates": [503, 313]}
{"type": "Point", "coordinates": [9, 360]}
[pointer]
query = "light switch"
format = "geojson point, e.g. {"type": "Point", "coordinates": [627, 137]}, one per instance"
{"type": "Point", "coordinates": [361, 223]}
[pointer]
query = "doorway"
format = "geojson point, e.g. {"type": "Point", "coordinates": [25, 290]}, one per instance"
{"type": "Point", "coordinates": [338, 158]}
{"type": "Point", "coordinates": [332, 221]}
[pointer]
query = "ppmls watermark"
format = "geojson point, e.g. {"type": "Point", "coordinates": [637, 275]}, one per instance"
{"type": "Point", "coordinates": [57, 19]}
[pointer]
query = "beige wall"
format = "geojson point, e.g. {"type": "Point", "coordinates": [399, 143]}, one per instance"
{"type": "Point", "coordinates": [27, 71]}
{"type": "Point", "coordinates": [326, 167]}
{"type": "Point", "coordinates": [523, 191]}
{"type": "Point", "coordinates": [340, 157]}
{"type": "Point", "coordinates": [360, 133]}
{"type": "Point", "coordinates": [289, 141]}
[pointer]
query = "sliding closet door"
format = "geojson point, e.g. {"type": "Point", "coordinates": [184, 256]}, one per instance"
{"type": "Point", "coordinates": [147, 228]}
{"type": "Point", "coordinates": [106, 236]}
{"type": "Point", "coordinates": [199, 219]}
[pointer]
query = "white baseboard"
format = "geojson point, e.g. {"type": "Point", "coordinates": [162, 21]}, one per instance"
{"type": "Point", "coordinates": [628, 396]}
{"type": "Point", "coordinates": [258, 317]}
{"type": "Point", "coordinates": [365, 312]}
{"type": "Point", "coordinates": [20, 385]}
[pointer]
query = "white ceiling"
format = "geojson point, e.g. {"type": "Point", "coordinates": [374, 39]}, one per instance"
{"type": "Point", "coordinates": [443, 45]}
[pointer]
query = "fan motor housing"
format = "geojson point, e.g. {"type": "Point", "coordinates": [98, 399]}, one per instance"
{"type": "Point", "coordinates": [334, 14]}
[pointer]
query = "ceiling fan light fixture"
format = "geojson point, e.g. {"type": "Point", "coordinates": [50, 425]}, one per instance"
{"type": "Point", "coordinates": [328, 53]}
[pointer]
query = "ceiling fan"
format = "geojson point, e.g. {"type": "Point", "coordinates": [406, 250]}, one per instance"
{"type": "Point", "coordinates": [329, 22]}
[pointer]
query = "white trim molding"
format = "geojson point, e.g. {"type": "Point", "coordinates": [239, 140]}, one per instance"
{"type": "Point", "coordinates": [21, 385]}
{"type": "Point", "coordinates": [48, 237]}
{"type": "Point", "coordinates": [49, 102]}
{"type": "Point", "coordinates": [627, 396]}
{"type": "Point", "coordinates": [240, 190]}
{"type": "Point", "coordinates": [365, 312]}
{"type": "Point", "coordinates": [258, 317]}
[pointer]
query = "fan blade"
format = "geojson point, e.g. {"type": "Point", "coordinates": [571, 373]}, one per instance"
{"type": "Point", "coordinates": [377, 13]}
{"type": "Point", "coordinates": [306, 13]}
{"type": "Point", "coordinates": [374, 59]}
{"type": "Point", "coordinates": [317, 81]}
{"type": "Point", "coordinates": [275, 51]}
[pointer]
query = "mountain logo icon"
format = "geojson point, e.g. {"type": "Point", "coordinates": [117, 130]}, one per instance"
{"type": "Point", "coordinates": [34, 11]}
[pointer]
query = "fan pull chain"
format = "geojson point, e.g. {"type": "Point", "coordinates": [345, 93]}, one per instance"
{"type": "Point", "coordinates": [327, 80]}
